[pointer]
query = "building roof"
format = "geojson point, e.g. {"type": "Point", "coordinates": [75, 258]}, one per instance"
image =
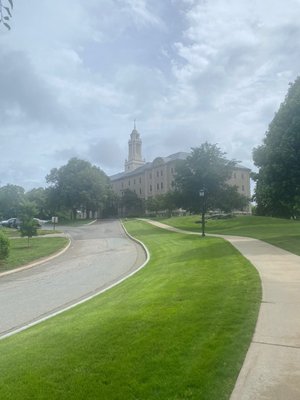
{"type": "Point", "coordinates": [181, 155]}
{"type": "Point", "coordinates": [149, 165]}
{"type": "Point", "coordinates": [136, 171]}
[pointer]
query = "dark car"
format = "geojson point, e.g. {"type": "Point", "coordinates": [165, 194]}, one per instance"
{"type": "Point", "coordinates": [11, 223]}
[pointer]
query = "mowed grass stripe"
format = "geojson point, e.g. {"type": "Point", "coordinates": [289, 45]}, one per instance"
{"type": "Point", "coordinates": [178, 329]}
{"type": "Point", "coordinates": [276, 231]}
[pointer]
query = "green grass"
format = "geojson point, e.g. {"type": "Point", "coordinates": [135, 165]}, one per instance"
{"type": "Point", "coordinates": [279, 232]}
{"type": "Point", "coordinates": [20, 254]}
{"type": "Point", "coordinates": [10, 232]}
{"type": "Point", "coordinates": [177, 330]}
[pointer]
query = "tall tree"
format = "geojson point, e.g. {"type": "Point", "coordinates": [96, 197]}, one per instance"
{"type": "Point", "coordinates": [39, 197]}
{"type": "Point", "coordinates": [28, 225]}
{"type": "Point", "coordinates": [277, 190]}
{"type": "Point", "coordinates": [163, 202]}
{"type": "Point", "coordinates": [131, 205]}
{"type": "Point", "coordinates": [78, 186]}
{"type": "Point", "coordinates": [207, 168]}
{"type": "Point", "coordinates": [11, 197]}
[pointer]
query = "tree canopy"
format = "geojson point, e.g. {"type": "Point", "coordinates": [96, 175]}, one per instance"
{"type": "Point", "coordinates": [78, 185]}
{"type": "Point", "coordinates": [207, 168]}
{"type": "Point", "coordinates": [277, 190]}
{"type": "Point", "coordinates": [11, 197]}
{"type": "Point", "coordinates": [131, 205]}
{"type": "Point", "coordinates": [28, 225]}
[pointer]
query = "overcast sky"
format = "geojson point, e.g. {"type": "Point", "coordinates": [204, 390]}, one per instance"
{"type": "Point", "coordinates": [76, 73]}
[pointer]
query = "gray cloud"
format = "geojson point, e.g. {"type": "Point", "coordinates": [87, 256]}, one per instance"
{"type": "Point", "coordinates": [107, 153]}
{"type": "Point", "coordinates": [24, 95]}
{"type": "Point", "coordinates": [188, 70]}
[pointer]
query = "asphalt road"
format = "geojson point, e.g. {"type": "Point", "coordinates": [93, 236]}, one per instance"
{"type": "Point", "coordinates": [100, 255]}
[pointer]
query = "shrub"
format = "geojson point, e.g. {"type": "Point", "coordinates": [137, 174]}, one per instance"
{"type": "Point", "coordinates": [4, 246]}
{"type": "Point", "coordinates": [28, 228]}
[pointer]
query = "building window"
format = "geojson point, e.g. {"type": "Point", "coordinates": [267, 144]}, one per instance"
{"type": "Point", "coordinates": [172, 170]}
{"type": "Point", "coordinates": [161, 185]}
{"type": "Point", "coordinates": [157, 186]}
{"type": "Point", "coordinates": [150, 188]}
{"type": "Point", "coordinates": [243, 188]}
{"type": "Point", "coordinates": [134, 181]}
{"type": "Point", "coordinates": [157, 174]}
{"type": "Point", "coordinates": [161, 173]}
{"type": "Point", "coordinates": [140, 191]}
{"type": "Point", "coordinates": [129, 182]}
{"type": "Point", "coordinates": [140, 180]}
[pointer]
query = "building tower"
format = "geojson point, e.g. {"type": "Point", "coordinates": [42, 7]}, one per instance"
{"type": "Point", "coordinates": [134, 151]}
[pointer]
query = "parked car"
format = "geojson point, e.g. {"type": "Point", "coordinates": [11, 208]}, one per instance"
{"type": "Point", "coordinates": [38, 222]}
{"type": "Point", "coordinates": [11, 223]}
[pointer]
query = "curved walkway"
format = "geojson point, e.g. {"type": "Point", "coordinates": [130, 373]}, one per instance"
{"type": "Point", "coordinates": [271, 370]}
{"type": "Point", "coordinates": [100, 255]}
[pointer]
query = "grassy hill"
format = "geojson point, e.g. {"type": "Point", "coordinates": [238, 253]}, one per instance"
{"type": "Point", "coordinates": [178, 329]}
{"type": "Point", "coordinates": [279, 232]}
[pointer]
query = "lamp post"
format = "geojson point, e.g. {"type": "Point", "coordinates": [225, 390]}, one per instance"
{"type": "Point", "coordinates": [202, 196]}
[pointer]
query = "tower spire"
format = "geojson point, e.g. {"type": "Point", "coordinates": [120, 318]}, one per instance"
{"type": "Point", "coordinates": [134, 150]}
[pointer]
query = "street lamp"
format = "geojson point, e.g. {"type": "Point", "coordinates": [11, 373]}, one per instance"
{"type": "Point", "coordinates": [202, 196]}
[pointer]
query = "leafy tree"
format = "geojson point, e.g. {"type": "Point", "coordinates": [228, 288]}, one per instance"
{"type": "Point", "coordinates": [4, 246]}
{"type": "Point", "coordinates": [111, 202]}
{"type": "Point", "coordinates": [5, 12]}
{"type": "Point", "coordinates": [39, 197]}
{"type": "Point", "coordinates": [29, 229]}
{"type": "Point", "coordinates": [28, 210]}
{"type": "Point", "coordinates": [28, 225]}
{"type": "Point", "coordinates": [206, 168]}
{"type": "Point", "coordinates": [277, 190]}
{"type": "Point", "coordinates": [78, 186]}
{"type": "Point", "coordinates": [11, 196]}
{"type": "Point", "coordinates": [131, 205]}
{"type": "Point", "coordinates": [164, 202]}
{"type": "Point", "coordinates": [170, 202]}
{"type": "Point", "coordinates": [154, 204]}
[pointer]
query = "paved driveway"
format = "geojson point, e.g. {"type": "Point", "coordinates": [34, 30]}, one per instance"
{"type": "Point", "coordinates": [100, 255]}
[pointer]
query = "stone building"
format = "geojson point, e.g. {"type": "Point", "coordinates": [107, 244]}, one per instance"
{"type": "Point", "coordinates": [149, 179]}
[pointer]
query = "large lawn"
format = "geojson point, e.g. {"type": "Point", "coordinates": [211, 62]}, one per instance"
{"type": "Point", "coordinates": [279, 232]}
{"type": "Point", "coordinates": [177, 330]}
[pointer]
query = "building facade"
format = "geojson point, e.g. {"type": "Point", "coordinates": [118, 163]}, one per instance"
{"type": "Point", "coordinates": [157, 177]}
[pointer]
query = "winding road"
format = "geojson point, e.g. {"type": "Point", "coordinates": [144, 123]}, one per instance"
{"type": "Point", "coordinates": [100, 255]}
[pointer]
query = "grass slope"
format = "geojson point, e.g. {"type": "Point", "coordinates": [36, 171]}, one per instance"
{"type": "Point", "coordinates": [279, 232]}
{"type": "Point", "coordinates": [178, 329]}
{"type": "Point", "coordinates": [20, 254]}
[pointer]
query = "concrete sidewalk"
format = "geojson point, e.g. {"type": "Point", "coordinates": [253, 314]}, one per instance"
{"type": "Point", "coordinates": [271, 370]}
